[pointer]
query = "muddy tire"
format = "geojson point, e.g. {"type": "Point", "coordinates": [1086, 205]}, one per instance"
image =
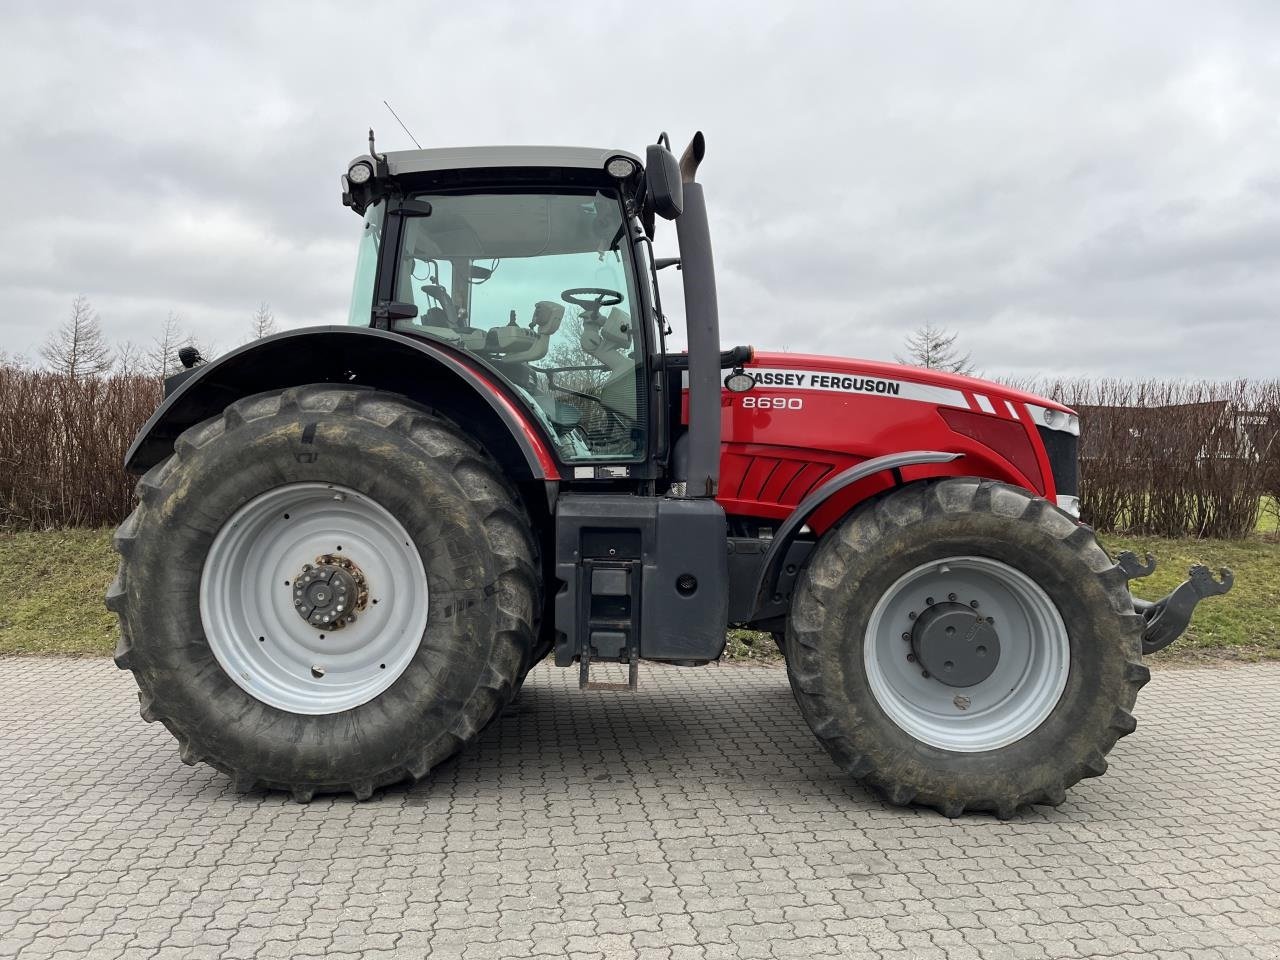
{"type": "Point", "coordinates": [325, 589]}
{"type": "Point", "coordinates": [1014, 602]}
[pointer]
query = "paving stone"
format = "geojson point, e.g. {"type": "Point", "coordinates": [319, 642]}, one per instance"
{"type": "Point", "coordinates": [697, 818]}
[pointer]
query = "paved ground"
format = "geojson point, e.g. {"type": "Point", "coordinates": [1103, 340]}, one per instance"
{"type": "Point", "coordinates": [694, 819]}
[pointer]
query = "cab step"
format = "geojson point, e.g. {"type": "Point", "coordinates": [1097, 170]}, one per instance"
{"type": "Point", "coordinates": [633, 675]}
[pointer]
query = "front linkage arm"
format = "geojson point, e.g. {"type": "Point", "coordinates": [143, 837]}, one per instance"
{"type": "Point", "coordinates": [1169, 617]}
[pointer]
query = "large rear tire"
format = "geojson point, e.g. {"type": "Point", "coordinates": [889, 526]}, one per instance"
{"type": "Point", "coordinates": [965, 645]}
{"type": "Point", "coordinates": [253, 546]}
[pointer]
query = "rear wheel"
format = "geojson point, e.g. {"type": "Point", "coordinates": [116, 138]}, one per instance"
{"type": "Point", "coordinates": [325, 589]}
{"type": "Point", "coordinates": [965, 645]}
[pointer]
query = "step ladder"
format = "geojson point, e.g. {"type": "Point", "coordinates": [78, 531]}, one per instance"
{"type": "Point", "coordinates": [611, 621]}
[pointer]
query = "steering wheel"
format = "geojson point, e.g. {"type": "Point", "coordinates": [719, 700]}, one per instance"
{"type": "Point", "coordinates": [577, 296]}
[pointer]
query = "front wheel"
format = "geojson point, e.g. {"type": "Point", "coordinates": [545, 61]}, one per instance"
{"type": "Point", "coordinates": [965, 645]}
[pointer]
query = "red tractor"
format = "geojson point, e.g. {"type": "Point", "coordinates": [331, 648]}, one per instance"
{"type": "Point", "coordinates": [353, 542]}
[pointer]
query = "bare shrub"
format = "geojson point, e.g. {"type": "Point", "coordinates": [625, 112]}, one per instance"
{"type": "Point", "coordinates": [62, 446]}
{"type": "Point", "coordinates": [1173, 458]}
{"type": "Point", "coordinates": [1157, 457]}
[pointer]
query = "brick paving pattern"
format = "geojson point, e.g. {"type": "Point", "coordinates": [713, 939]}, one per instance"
{"type": "Point", "coordinates": [696, 818]}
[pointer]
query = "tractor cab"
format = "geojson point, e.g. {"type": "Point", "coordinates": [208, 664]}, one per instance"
{"type": "Point", "coordinates": [535, 264]}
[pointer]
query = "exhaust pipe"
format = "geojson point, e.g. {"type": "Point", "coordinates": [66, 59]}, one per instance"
{"type": "Point", "coordinates": [697, 267]}
{"type": "Point", "coordinates": [692, 156]}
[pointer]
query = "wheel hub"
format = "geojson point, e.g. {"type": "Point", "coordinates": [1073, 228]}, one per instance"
{"type": "Point", "coordinates": [330, 593]}
{"type": "Point", "coordinates": [955, 644]}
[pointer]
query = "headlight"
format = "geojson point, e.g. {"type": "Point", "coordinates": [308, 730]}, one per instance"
{"type": "Point", "coordinates": [1055, 419]}
{"type": "Point", "coordinates": [360, 172]}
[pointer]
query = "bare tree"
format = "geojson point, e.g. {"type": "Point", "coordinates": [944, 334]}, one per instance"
{"type": "Point", "coordinates": [162, 358]}
{"type": "Point", "coordinates": [935, 348]}
{"type": "Point", "coordinates": [263, 323]}
{"type": "Point", "coordinates": [129, 359]}
{"type": "Point", "coordinates": [77, 348]}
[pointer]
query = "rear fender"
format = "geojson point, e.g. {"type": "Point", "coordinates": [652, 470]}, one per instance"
{"type": "Point", "coordinates": [423, 371]}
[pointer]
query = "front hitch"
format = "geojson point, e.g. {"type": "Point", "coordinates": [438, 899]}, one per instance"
{"type": "Point", "coordinates": [1168, 618]}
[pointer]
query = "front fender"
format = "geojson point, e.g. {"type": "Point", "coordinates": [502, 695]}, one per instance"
{"type": "Point", "coordinates": [362, 356]}
{"type": "Point", "coordinates": [810, 505]}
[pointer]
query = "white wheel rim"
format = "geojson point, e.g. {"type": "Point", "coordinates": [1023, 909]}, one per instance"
{"type": "Point", "coordinates": [247, 601]}
{"type": "Point", "coordinates": [1019, 694]}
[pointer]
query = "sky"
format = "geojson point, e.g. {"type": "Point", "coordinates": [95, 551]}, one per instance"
{"type": "Point", "coordinates": [1083, 188]}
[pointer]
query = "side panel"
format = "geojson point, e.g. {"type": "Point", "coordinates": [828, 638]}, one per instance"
{"type": "Point", "coordinates": [801, 426]}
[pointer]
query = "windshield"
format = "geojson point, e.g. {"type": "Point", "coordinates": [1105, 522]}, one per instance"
{"type": "Point", "coordinates": [540, 285]}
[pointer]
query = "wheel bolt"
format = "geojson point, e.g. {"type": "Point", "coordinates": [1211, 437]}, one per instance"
{"type": "Point", "coordinates": [929, 601]}
{"type": "Point", "coordinates": [906, 636]}
{"type": "Point", "coordinates": [911, 616]}
{"type": "Point", "coordinates": [951, 597]}
{"type": "Point", "coordinates": [925, 674]}
{"type": "Point", "coordinates": [911, 658]}
{"type": "Point", "coordinates": [974, 604]}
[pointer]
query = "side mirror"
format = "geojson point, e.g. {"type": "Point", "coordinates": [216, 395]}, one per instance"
{"type": "Point", "coordinates": [662, 181]}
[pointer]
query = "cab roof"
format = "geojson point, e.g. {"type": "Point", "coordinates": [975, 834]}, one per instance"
{"type": "Point", "coordinates": [401, 162]}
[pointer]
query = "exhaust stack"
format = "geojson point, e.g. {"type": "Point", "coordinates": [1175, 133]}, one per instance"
{"type": "Point", "coordinates": [692, 156]}
{"type": "Point", "coordinates": [702, 320]}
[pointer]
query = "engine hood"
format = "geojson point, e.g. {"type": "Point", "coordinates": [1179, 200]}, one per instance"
{"type": "Point", "coordinates": [806, 365]}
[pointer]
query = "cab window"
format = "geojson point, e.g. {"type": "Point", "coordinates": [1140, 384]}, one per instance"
{"type": "Point", "coordinates": [366, 266]}
{"type": "Point", "coordinates": [540, 286]}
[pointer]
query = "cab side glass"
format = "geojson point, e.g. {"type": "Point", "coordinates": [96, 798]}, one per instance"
{"type": "Point", "coordinates": [366, 267]}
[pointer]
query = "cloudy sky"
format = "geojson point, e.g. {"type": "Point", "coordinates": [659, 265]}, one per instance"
{"type": "Point", "coordinates": [1074, 188]}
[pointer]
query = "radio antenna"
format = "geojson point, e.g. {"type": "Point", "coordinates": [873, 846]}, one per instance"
{"type": "Point", "coordinates": [402, 126]}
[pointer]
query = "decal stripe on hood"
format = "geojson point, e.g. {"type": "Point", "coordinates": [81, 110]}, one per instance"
{"type": "Point", "coordinates": [780, 379]}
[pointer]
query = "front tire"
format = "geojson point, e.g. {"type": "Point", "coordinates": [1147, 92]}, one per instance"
{"type": "Point", "coordinates": [965, 645]}
{"type": "Point", "coordinates": [325, 589]}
